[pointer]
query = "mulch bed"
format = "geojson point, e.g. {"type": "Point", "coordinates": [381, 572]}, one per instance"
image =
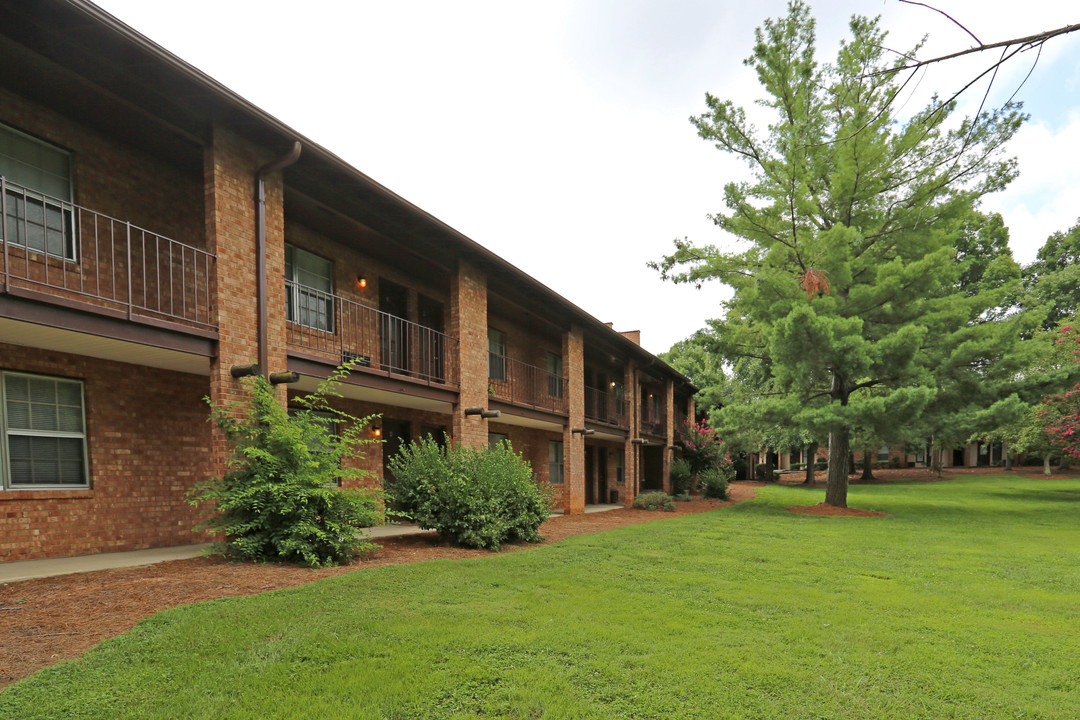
{"type": "Point", "coordinates": [47, 620]}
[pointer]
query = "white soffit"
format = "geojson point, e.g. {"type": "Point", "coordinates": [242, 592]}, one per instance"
{"type": "Point", "coordinates": [375, 396]}
{"type": "Point", "coordinates": [32, 335]}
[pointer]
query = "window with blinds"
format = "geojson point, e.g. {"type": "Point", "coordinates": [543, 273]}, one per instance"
{"type": "Point", "coordinates": [37, 194]}
{"type": "Point", "coordinates": [44, 432]}
{"type": "Point", "coordinates": [309, 289]}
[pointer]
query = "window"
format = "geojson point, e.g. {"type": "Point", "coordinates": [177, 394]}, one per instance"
{"type": "Point", "coordinates": [44, 432]}
{"type": "Point", "coordinates": [39, 210]}
{"type": "Point", "coordinates": [620, 467]}
{"type": "Point", "coordinates": [496, 439]}
{"type": "Point", "coordinates": [555, 462]}
{"type": "Point", "coordinates": [496, 354]}
{"type": "Point", "coordinates": [883, 453]}
{"type": "Point", "coordinates": [620, 397]}
{"type": "Point", "coordinates": [308, 289]}
{"type": "Point", "coordinates": [555, 377]}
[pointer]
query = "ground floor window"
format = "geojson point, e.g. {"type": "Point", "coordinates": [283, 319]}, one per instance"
{"type": "Point", "coordinates": [496, 439]}
{"type": "Point", "coordinates": [555, 462]}
{"type": "Point", "coordinates": [883, 453]}
{"type": "Point", "coordinates": [44, 432]}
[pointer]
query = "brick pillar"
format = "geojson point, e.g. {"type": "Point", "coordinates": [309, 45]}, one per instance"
{"type": "Point", "coordinates": [468, 323]}
{"type": "Point", "coordinates": [668, 410]}
{"type": "Point", "coordinates": [229, 168]}
{"type": "Point", "coordinates": [631, 451]}
{"type": "Point", "coordinates": [573, 351]}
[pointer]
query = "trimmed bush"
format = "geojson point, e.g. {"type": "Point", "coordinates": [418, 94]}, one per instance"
{"type": "Point", "coordinates": [714, 482]}
{"type": "Point", "coordinates": [655, 500]}
{"type": "Point", "coordinates": [681, 476]}
{"type": "Point", "coordinates": [821, 464]}
{"type": "Point", "coordinates": [474, 497]}
{"type": "Point", "coordinates": [280, 500]}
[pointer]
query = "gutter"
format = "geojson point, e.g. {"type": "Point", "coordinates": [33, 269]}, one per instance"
{"type": "Point", "coordinates": [260, 247]}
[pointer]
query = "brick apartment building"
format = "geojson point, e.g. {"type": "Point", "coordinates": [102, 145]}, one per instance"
{"type": "Point", "coordinates": [159, 231]}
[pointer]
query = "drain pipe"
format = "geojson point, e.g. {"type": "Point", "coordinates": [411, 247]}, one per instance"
{"type": "Point", "coordinates": [260, 247]}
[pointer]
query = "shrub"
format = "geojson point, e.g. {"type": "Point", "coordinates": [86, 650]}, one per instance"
{"type": "Point", "coordinates": [798, 466]}
{"type": "Point", "coordinates": [681, 476]}
{"type": "Point", "coordinates": [895, 463]}
{"type": "Point", "coordinates": [280, 500]}
{"type": "Point", "coordinates": [821, 464]}
{"type": "Point", "coordinates": [475, 497]}
{"type": "Point", "coordinates": [765, 472]}
{"type": "Point", "coordinates": [685, 497]}
{"type": "Point", "coordinates": [701, 446]}
{"type": "Point", "coordinates": [714, 482]}
{"type": "Point", "coordinates": [655, 500]}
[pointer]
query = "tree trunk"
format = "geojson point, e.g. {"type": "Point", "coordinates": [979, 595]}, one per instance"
{"type": "Point", "coordinates": [1008, 455]}
{"type": "Point", "coordinates": [1046, 464]}
{"type": "Point", "coordinates": [935, 457]}
{"type": "Point", "coordinates": [867, 466]}
{"type": "Point", "coordinates": [811, 458]}
{"type": "Point", "coordinates": [839, 447]}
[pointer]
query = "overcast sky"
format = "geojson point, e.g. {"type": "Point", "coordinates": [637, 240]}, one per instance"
{"type": "Point", "coordinates": [556, 133]}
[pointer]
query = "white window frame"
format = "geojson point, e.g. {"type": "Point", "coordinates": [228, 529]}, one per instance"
{"type": "Point", "coordinates": [555, 447]}
{"type": "Point", "coordinates": [296, 291]}
{"type": "Point", "coordinates": [5, 446]}
{"type": "Point", "coordinates": [20, 194]}
{"type": "Point", "coordinates": [497, 360]}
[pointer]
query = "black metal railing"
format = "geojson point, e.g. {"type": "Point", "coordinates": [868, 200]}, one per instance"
{"type": "Point", "coordinates": [349, 331]}
{"type": "Point", "coordinates": [64, 250]}
{"type": "Point", "coordinates": [528, 385]}
{"type": "Point", "coordinates": [605, 407]}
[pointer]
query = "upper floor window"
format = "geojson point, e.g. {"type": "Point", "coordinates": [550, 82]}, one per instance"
{"type": "Point", "coordinates": [555, 376]}
{"type": "Point", "coordinates": [308, 284]}
{"type": "Point", "coordinates": [496, 354]}
{"type": "Point", "coordinates": [38, 194]}
{"type": "Point", "coordinates": [555, 462]}
{"type": "Point", "coordinates": [44, 432]}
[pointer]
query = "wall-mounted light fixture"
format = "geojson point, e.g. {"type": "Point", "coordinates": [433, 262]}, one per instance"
{"type": "Point", "coordinates": [239, 371]}
{"type": "Point", "coordinates": [639, 441]}
{"type": "Point", "coordinates": [612, 383]}
{"type": "Point", "coordinates": [486, 414]}
{"type": "Point", "coordinates": [376, 431]}
{"type": "Point", "coordinates": [284, 378]}
{"type": "Point", "coordinates": [361, 282]}
{"type": "Point", "coordinates": [582, 431]}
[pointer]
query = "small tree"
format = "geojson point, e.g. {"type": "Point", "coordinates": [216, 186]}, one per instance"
{"type": "Point", "coordinates": [280, 500]}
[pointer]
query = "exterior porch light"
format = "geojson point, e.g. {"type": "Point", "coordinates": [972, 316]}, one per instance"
{"type": "Point", "coordinates": [283, 378]}
{"type": "Point", "coordinates": [239, 371]}
{"type": "Point", "coordinates": [361, 282]}
{"type": "Point", "coordinates": [582, 431]}
{"type": "Point", "coordinates": [639, 441]}
{"type": "Point", "coordinates": [376, 431]}
{"type": "Point", "coordinates": [486, 414]}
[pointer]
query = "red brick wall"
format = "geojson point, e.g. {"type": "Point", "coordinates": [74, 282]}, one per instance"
{"type": "Point", "coordinates": [148, 442]}
{"type": "Point", "coordinates": [574, 445]}
{"type": "Point", "coordinates": [468, 322]}
{"type": "Point", "coordinates": [532, 445]}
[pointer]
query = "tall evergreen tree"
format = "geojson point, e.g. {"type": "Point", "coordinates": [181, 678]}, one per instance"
{"type": "Point", "coordinates": [848, 281]}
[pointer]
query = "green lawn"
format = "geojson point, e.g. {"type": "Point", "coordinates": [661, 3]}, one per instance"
{"type": "Point", "coordinates": [964, 602]}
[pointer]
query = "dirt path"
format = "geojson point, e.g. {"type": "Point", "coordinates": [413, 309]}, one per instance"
{"type": "Point", "coordinates": [47, 620]}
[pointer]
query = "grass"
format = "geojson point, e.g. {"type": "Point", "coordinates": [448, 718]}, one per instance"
{"type": "Point", "coordinates": [962, 604]}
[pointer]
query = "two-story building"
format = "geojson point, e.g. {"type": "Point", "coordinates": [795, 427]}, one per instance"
{"type": "Point", "coordinates": [161, 233]}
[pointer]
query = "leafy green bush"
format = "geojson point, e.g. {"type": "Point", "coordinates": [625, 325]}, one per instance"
{"type": "Point", "coordinates": [681, 476]}
{"type": "Point", "coordinates": [821, 464]}
{"type": "Point", "coordinates": [714, 482]}
{"type": "Point", "coordinates": [685, 497]}
{"type": "Point", "coordinates": [655, 500]}
{"type": "Point", "coordinates": [895, 463]}
{"type": "Point", "coordinates": [280, 500]}
{"type": "Point", "coordinates": [765, 472]}
{"type": "Point", "coordinates": [476, 497]}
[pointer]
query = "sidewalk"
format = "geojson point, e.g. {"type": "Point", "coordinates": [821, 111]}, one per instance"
{"type": "Point", "coordinates": [30, 569]}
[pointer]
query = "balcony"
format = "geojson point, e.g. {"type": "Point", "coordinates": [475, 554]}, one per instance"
{"type": "Point", "coordinates": [526, 385]}
{"type": "Point", "coordinates": [342, 330]}
{"type": "Point", "coordinates": [654, 427]}
{"type": "Point", "coordinates": [58, 252]}
{"type": "Point", "coordinates": [605, 407]}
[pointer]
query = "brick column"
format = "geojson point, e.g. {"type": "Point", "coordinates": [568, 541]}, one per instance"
{"type": "Point", "coordinates": [631, 451]}
{"type": "Point", "coordinates": [668, 410]}
{"type": "Point", "coordinates": [468, 323]}
{"type": "Point", "coordinates": [229, 168]}
{"type": "Point", "coordinates": [573, 351]}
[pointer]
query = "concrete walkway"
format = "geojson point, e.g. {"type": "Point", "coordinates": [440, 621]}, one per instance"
{"type": "Point", "coordinates": [30, 569]}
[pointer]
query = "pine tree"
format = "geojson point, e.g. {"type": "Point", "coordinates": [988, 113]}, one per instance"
{"type": "Point", "coordinates": [849, 280]}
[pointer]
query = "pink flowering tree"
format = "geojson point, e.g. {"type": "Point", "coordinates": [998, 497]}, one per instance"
{"type": "Point", "coordinates": [710, 464]}
{"type": "Point", "coordinates": [1061, 417]}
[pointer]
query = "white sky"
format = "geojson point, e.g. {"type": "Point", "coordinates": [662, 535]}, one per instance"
{"type": "Point", "coordinates": [556, 133]}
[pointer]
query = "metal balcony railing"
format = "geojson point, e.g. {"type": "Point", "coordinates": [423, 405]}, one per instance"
{"type": "Point", "coordinates": [527, 385]}
{"type": "Point", "coordinates": [71, 253]}
{"type": "Point", "coordinates": [605, 407]}
{"type": "Point", "coordinates": [654, 427]}
{"type": "Point", "coordinates": [368, 338]}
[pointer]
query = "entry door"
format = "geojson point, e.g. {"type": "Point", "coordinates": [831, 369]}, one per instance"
{"type": "Point", "coordinates": [602, 482]}
{"type": "Point", "coordinates": [590, 476]}
{"type": "Point", "coordinates": [395, 434]}
{"type": "Point", "coordinates": [430, 317]}
{"type": "Point", "coordinates": [394, 335]}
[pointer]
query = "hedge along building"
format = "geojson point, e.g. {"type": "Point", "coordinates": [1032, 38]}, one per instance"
{"type": "Point", "coordinates": [161, 233]}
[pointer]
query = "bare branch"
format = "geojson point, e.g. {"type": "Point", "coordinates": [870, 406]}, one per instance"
{"type": "Point", "coordinates": [1026, 42]}
{"type": "Point", "coordinates": [959, 25]}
